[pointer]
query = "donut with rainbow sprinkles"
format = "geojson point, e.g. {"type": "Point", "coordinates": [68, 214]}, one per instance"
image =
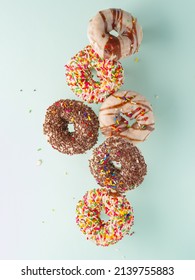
{"type": "Point", "coordinates": [80, 77]}
{"type": "Point", "coordinates": [116, 206]}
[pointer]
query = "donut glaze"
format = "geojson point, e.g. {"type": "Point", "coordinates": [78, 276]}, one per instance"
{"type": "Point", "coordinates": [109, 46]}
{"type": "Point", "coordinates": [117, 207]}
{"type": "Point", "coordinates": [113, 151]}
{"type": "Point", "coordinates": [120, 109]}
{"type": "Point", "coordinates": [86, 124]}
{"type": "Point", "coordinates": [80, 79]}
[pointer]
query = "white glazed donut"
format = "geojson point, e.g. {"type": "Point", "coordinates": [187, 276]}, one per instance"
{"type": "Point", "coordinates": [109, 46]}
{"type": "Point", "coordinates": [120, 109]}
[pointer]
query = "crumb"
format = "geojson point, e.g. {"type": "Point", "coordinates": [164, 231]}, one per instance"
{"type": "Point", "coordinates": [39, 162]}
{"type": "Point", "coordinates": [136, 59]}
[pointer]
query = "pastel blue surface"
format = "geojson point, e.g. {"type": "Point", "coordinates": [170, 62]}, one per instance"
{"type": "Point", "coordinates": [37, 203]}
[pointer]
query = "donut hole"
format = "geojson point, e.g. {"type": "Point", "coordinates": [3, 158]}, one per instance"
{"type": "Point", "coordinates": [116, 164]}
{"type": "Point", "coordinates": [104, 217]}
{"type": "Point", "coordinates": [114, 33]}
{"type": "Point", "coordinates": [94, 75]}
{"type": "Point", "coordinates": [71, 127]}
{"type": "Point", "coordinates": [128, 121]}
{"type": "Point", "coordinates": [131, 122]}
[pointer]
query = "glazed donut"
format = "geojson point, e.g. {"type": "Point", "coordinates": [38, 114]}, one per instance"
{"type": "Point", "coordinates": [65, 112]}
{"type": "Point", "coordinates": [109, 46]}
{"type": "Point", "coordinates": [117, 207]}
{"type": "Point", "coordinates": [117, 164]}
{"type": "Point", "coordinates": [79, 76]}
{"type": "Point", "coordinates": [120, 109]}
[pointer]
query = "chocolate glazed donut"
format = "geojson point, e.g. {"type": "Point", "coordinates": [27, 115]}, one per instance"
{"type": "Point", "coordinates": [109, 46]}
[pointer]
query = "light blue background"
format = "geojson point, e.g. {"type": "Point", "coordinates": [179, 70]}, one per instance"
{"type": "Point", "coordinates": [37, 203]}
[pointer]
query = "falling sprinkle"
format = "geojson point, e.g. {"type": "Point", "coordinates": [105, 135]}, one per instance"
{"type": "Point", "coordinates": [39, 162]}
{"type": "Point", "coordinates": [39, 149]}
{"type": "Point", "coordinates": [136, 59]}
{"type": "Point", "coordinates": [156, 96]}
{"type": "Point", "coordinates": [21, 90]}
{"type": "Point", "coordinates": [35, 89]}
{"type": "Point", "coordinates": [30, 111]}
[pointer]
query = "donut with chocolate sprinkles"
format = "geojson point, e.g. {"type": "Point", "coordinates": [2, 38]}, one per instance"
{"type": "Point", "coordinates": [113, 47]}
{"type": "Point", "coordinates": [56, 127]}
{"type": "Point", "coordinates": [118, 164]}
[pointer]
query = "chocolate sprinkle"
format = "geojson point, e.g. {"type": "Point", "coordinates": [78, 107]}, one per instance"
{"type": "Point", "coordinates": [133, 166]}
{"type": "Point", "coordinates": [85, 121]}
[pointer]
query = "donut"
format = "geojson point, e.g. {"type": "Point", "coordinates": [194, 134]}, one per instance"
{"type": "Point", "coordinates": [106, 44]}
{"type": "Point", "coordinates": [117, 207]}
{"type": "Point", "coordinates": [60, 115]}
{"type": "Point", "coordinates": [118, 165]}
{"type": "Point", "coordinates": [121, 109]}
{"type": "Point", "coordinates": [79, 76]}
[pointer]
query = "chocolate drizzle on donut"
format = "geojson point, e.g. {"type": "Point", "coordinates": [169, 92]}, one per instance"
{"type": "Point", "coordinates": [126, 100]}
{"type": "Point", "coordinates": [105, 21]}
{"type": "Point", "coordinates": [117, 18]}
{"type": "Point", "coordinates": [118, 125]}
{"type": "Point", "coordinates": [131, 33]}
{"type": "Point", "coordinates": [112, 46]}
